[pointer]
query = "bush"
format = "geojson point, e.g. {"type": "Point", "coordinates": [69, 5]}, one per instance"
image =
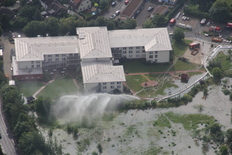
{"type": "Point", "coordinates": [226, 92]}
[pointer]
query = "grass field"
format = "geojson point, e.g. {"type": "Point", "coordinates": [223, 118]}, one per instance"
{"type": "Point", "coordinates": [30, 87]}
{"type": "Point", "coordinates": [180, 47]}
{"type": "Point", "coordinates": [58, 88]}
{"type": "Point", "coordinates": [134, 81]}
{"type": "Point", "coordinates": [190, 121]}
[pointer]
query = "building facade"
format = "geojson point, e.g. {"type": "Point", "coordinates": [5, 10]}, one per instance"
{"type": "Point", "coordinates": [93, 49]}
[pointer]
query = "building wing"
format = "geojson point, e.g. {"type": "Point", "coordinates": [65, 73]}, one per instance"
{"type": "Point", "coordinates": [101, 71]}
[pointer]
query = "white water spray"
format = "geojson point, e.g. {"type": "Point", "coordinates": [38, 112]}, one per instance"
{"type": "Point", "coordinates": [73, 108]}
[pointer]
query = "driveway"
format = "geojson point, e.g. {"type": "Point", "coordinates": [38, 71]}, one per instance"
{"type": "Point", "coordinates": [119, 6]}
{"type": "Point", "coordinates": [144, 14]}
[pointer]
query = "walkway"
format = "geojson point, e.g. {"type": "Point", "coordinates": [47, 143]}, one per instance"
{"type": "Point", "coordinates": [38, 91]}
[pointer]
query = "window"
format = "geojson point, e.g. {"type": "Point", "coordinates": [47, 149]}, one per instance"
{"type": "Point", "coordinates": [118, 82]}
{"type": "Point", "coordinates": [32, 66]}
{"type": "Point", "coordinates": [137, 47]}
{"type": "Point", "coordinates": [130, 51]}
{"type": "Point", "coordinates": [104, 83]}
{"type": "Point", "coordinates": [111, 82]}
{"type": "Point", "coordinates": [70, 55]}
{"type": "Point", "coordinates": [155, 60]}
{"type": "Point", "coordinates": [144, 55]}
{"type": "Point", "coordinates": [156, 56]}
{"type": "Point", "coordinates": [143, 51]}
{"type": "Point", "coordinates": [32, 62]}
{"type": "Point", "coordinates": [130, 56]}
{"type": "Point", "coordinates": [49, 59]}
{"type": "Point", "coordinates": [38, 66]}
{"type": "Point", "coordinates": [130, 47]}
{"type": "Point", "coordinates": [137, 56]}
{"type": "Point", "coordinates": [137, 51]}
{"type": "Point", "coordinates": [112, 87]}
{"type": "Point", "coordinates": [119, 86]}
{"type": "Point", "coordinates": [63, 59]}
{"type": "Point", "coordinates": [124, 48]}
{"type": "Point", "coordinates": [57, 55]}
{"type": "Point", "coordinates": [38, 62]}
{"type": "Point", "coordinates": [123, 52]}
{"type": "Point", "coordinates": [57, 59]}
{"type": "Point", "coordinates": [150, 52]}
{"type": "Point", "coordinates": [150, 56]}
{"type": "Point", "coordinates": [75, 55]}
{"type": "Point", "coordinates": [63, 55]}
{"type": "Point", "coordinates": [156, 52]}
{"type": "Point", "coordinates": [104, 87]}
{"type": "Point", "coordinates": [49, 55]}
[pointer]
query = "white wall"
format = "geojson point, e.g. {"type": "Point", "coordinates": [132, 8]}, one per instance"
{"type": "Point", "coordinates": [89, 87]}
{"type": "Point", "coordinates": [108, 87]}
{"type": "Point", "coordinates": [158, 56]}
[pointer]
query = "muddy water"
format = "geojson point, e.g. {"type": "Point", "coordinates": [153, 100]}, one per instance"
{"type": "Point", "coordinates": [133, 132]}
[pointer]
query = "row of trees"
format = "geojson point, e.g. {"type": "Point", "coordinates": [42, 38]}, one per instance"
{"type": "Point", "coordinates": [23, 125]}
{"type": "Point", "coordinates": [67, 26]}
{"type": "Point", "coordinates": [217, 10]}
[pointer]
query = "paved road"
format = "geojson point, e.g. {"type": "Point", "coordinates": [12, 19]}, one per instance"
{"type": "Point", "coordinates": [119, 6]}
{"type": "Point", "coordinates": [6, 142]}
{"type": "Point", "coordinates": [7, 48]}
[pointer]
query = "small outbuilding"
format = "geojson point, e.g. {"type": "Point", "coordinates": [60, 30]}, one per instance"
{"type": "Point", "coordinates": [184, 77]}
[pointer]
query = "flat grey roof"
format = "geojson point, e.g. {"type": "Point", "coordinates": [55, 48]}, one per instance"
{"type": "Point", "coordinates": [153, 39]}
{"type": "Point", "coordinates": [101, 71]}
{"type": "Point", "coordinates": [32, 49]}
{"type": "Point", "coordinates": [94, 42]}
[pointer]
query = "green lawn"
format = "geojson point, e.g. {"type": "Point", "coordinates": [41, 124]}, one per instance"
{"type": "Point", "coordinates": [30, 87]}
{"type": "Point", "coordinates": [179, 48]}
{"type": "Point", "coordinates": [134, 82]}
{"type": "Point", "coordinates": [58, 88]}
{"type": "Point", "coordinates": [190, 121]}
{"type": "Point", "coordinates": [151, 92]}
{"type": "Point", "coordinates": [229, 2]}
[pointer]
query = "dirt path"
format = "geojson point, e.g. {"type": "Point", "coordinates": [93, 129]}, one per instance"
{"type": "Point", "coordinates": [38, 91]}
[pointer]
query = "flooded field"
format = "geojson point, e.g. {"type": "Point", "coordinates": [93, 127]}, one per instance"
{"type": "Point", "coordinates": [134, 132]}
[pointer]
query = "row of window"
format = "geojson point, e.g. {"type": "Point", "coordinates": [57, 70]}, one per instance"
{"type": "Point", "coordinates": [124, 52]}
{"type": "Point", "coordinates": [151, 56]}
{"type": "Point", "coordinates": [156, 52]}
{"type": "Point", "coordinates": [111, 83]}
{"type": "Point", "coordinates": [63, 55]}
{"type": "Point", "coordinates": [37, 66]}
{"type": "Point", "coordinates": [32, 62]}
{"type": "Point", "coordinates": [132, 47]}
{"type": "Point", "coordinates": [57, 59]}
{"type": "Point", "coordinates": [111, 87]}
{"type": "Point", "coordinates": [137, 56]}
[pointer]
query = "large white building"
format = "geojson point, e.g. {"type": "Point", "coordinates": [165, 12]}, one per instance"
{"type": "Point", "coordinates": [94, 49]}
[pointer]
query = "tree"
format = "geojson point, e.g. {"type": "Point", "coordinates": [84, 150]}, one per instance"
{"type": "Point", "coordinates": [42, 106]}
{"type": "Point", "coordinates": [52, 26]}
{"type": "Point", "coordinates": [94, 153]}
{"type": "Point", "coordinates": [20, 22]}
{"type": "Point", "coordinates": [1, 153]}
{"type": "Point", "coordinates": [217, 73]}
{"type": "Point", "coordinates": [229, 135]}
{"type": "Point", "coordinates": [159, 20]}
{"type": "Point", "coordinates": [178, 34]}
{"type": "Point", "coordinates": [223, 150]}
{"type": "Point", "coordinates": [129, 24]}
{"type": "Point", "coordinates": [148, 24]}
{"type": "Point", "coordinates": [37, 16]}
{"type": "Point", "coordinates": [220, 11]}
{"type": "Point", "coordinates": [5, 21]}
{"type": "Point", "coordinates": [99, 147]}
{"type": "Point", "coordinates": [215, 128]}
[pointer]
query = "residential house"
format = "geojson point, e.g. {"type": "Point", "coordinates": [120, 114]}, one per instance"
{"type": "Point", "coordinates": [80, 5]}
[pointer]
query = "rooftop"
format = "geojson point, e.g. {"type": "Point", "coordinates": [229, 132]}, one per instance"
{"type": "Point", "coordinates": [94, 42]}
{"type": "Point", "coordinates": [152, 39]}
{"type": "Point", "coordinates": [101, 71]}
{"type": "Point", "coordinates": [130, 9]}
{"type": "Point", "coordinates": [32, 49]}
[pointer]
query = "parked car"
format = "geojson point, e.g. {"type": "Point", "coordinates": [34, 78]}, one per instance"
{"type": "Point", "coordinates": [113, 3]}
{"type": "Point", "coordinates": [117, 12]}
{"type": "Point", "coordinates": [150, 8]}
{"type": "Point", "coordinates": [203, 21]}
{"type": "Point", "coordinates": [112, 16]}
{"type": "Point", "coordinates": [126, 2]}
